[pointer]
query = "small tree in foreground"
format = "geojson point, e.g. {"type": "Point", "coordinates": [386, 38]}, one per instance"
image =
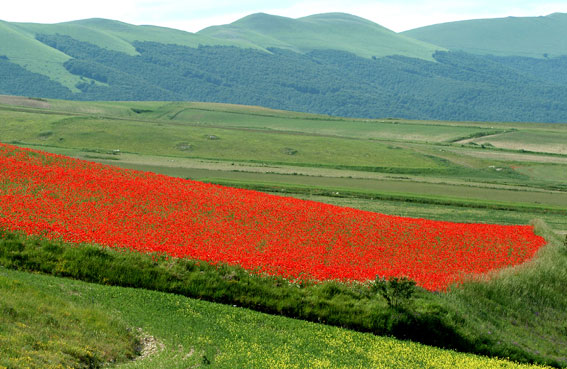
{"type": "Point", "coordinates": [396, 291]}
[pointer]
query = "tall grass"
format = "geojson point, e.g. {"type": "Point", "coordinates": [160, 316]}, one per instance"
{"type": "Point", "coordinates": [522, 308]}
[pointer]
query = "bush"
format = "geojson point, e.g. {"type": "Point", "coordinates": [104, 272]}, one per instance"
{"type": "Point", "coordinates": [396, 291]}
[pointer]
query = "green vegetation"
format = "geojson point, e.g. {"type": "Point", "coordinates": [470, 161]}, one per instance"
{"type": "Point", "coordinates": [328, 126]}
{"type": "Point", "coordinates": [454, 319]}
{"type": "Point", "coordinates": [181, 140]}
{"type": "Point", "coordinates": [332, 82]}
{"type": "Point", "coordinates": [42, 330]}
{"type": "Point", "coordinates": [118, 36]}
{"type": "Point", "coordinates": [334, 64]}
{"type": "Point", "coordinates": [332, 31]}
{"type": "Point", "coordinates": [523, 303]}
{"type": "Point", "coordinates": [17, 80]}
{"type": "Point", "coordinates": [396, 291]}
{"type": "Point", "coordinates": [33, 57]}
{"type": "Point", "coordinates": [535, 37]}
{"type": "Point", "coordinates": [19, 44]}
{"type": "Point", "coordinates": [187, 333]}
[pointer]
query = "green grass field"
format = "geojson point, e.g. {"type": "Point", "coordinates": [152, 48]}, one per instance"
{"type": "Point", "coordinates": [191, 333]}
{"type": "Point", "coordinates": [39, 329]}
{"type": "Point", "coordinates": [385, 130]}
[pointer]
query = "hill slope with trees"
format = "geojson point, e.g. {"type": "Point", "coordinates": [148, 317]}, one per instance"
{"type": "Point", "coordinates": [99, 59]}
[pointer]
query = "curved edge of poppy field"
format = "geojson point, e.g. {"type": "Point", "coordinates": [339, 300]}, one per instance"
{"type": "Point", "coordinates": [79, 201]}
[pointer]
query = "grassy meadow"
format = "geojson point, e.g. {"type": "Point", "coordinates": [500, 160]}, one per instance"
{"type": "Point", "coordinates": [199, 334]}
{"type": "Point", "coordinates": [457, 171]}
{"type": "Point", "coordinates": [53, 330]}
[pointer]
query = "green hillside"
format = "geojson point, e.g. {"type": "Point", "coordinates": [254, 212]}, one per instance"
{"type": "Point", "coordinates": [536, 37]}
{"type": "Point", "coordinates": [350, 33]}
{"type": "Point", "coordinates": [332, 31]}
{"type": "Point", "coordinates": [179, 332]}
{"type": "Point", "coordinates": [21, 48]}
{"type": "Point", "coordinates": [119, 36]}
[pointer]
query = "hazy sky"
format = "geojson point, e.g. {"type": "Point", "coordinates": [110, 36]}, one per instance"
{"type": "Point", "coordinates": [398, 15]}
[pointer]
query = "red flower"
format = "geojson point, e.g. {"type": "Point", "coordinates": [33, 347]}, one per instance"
{"type": "Point", "coordinates": [79, 201]}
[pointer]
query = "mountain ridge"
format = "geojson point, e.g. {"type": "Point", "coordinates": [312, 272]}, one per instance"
{"type": "Point", "coordinates": [536, 37]}
{"type": "Point", "coordinates": [339, 31]}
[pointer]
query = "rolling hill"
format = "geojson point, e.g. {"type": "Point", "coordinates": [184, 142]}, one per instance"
{"type": "Point", "coordinates": [534, 37]}
{"type": "Point", "coordinates": [350, 33]}
{"type": "Point", "coordinates": [335, 64]}
{"type": "Point", "coordinates": [330, 31]}
{"type": "Point", "coordinates": [21, 46]}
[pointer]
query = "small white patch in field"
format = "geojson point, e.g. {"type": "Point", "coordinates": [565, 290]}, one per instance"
{"type": "Point", "coordinates": [149, 345]}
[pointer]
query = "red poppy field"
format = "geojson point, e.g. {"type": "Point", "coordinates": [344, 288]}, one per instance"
{"type": "Point", "coordinates": [79, 201]}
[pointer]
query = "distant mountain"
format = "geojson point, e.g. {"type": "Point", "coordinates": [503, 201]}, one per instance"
{"type": "Point", "coordinates": [536, 37]}
{"type": "Point", "coordinates": [331, 31]}
{"type": "Point", "coordinates": [335, 64]}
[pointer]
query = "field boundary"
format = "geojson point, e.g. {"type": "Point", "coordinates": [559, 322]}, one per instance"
{"type": "Point", "coordinates": [404, 197]}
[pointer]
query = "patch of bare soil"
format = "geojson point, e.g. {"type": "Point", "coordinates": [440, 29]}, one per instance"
{"type": "Point", "coordinates": [552, 148]}
{"type": "Point", "coordinates": [499, 155]}
{"type": "Point", "coordinates": [549, 148]}
{"type": "Point", "coordinates": [149, 345]}
{"type": "Point", "coordinates": [24, 101]}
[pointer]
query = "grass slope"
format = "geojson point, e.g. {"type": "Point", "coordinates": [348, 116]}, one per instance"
{"type": "Point", "coordinates": [118, 36]}
{"type": "Point", "coordinates": [523, 305]}
{"type": "Point", "coordinates": [535, 37]}
{"type": "Point", "coordinates": [19, 43]}
{"type": "Point", "coordinates": [39, 329]}
{"type": "Point", "coordinates": [337, 31]}
{"type": "Point", "coordinates": [21, 47]}
{"type": "Point", "coordinates": [194, 333]}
